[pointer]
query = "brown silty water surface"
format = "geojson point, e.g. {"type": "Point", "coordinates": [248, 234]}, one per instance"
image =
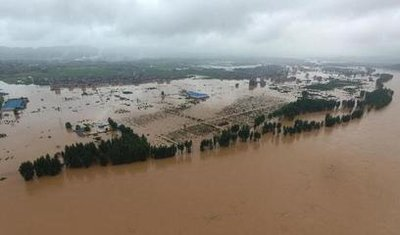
{"type": "Point", "coordinates": [344, 180]}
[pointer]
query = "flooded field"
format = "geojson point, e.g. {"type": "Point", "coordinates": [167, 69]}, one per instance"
{"type": "Point", "coordinates": [142, 107]}
{"type": "Point", "coordinates": [160, 111]}
{"type": "Point", "coordinates": [343, 180]}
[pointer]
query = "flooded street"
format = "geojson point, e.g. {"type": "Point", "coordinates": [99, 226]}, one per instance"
{"type": "Point", "coordinates": [342, 180]}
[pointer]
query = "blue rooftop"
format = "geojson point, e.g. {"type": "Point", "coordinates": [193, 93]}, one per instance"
{"type": "Point", "coordinates": [196, 95]}
{"type": "Point", "coordinates": [13, 104]}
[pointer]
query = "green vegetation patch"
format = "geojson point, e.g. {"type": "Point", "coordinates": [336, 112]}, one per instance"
{"type": "Point", "coordinates": [383, 78]}
{"type": "Point", "coordinates": [379, 98]}
{"type": "Point", "coordinates": [304, 105]}
{"type": "Point", "coordinates": [127, 148]}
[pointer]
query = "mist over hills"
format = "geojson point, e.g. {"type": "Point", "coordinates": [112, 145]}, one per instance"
{"type": "Point", "coordinates": [61, 53]}
{"type": "Point", "coordinates": [93, 54]}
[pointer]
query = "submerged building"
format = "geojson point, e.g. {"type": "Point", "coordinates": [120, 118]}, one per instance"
{"type": "Point", "coordinates": [196, 95]}
{"type": "Point", "coordinates": [15, 104]}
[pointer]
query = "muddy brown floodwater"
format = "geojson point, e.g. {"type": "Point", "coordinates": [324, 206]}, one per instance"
{"type": "Point", "coordinates": [344, 180]}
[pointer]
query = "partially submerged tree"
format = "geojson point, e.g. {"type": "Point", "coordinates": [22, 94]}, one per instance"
{"type": "Point", "coordinates": [26, 170]}
{"type": "Point", "coordinates": [68, 125]}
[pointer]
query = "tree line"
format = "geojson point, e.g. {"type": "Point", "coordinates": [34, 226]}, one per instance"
{"type": "Point", "coordinates": [304, 105]}
{"type": "Point", "coordinates": [378, 98]}
{"type": "Point", "coordinates": [331, 121]}
{"type": "Point", "coordinates": [302, 126]}
{"type": "Point", "coordinates": [43, 166]}
{"type": "Point", "coordinates": [127, 148]}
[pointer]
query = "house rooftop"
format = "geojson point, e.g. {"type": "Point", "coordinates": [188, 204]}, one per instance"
{"type": "Point", "coordinates": [196, 95]}
{"type": "Point", "coordinates": [14, 104]}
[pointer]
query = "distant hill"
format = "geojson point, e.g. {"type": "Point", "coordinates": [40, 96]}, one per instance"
{"type": "Point", "coordinates": [48, 53]}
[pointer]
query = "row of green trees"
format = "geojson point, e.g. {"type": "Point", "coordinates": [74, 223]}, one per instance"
{"type": "Point", "coordinates": [163, 151]}
{"type": "Point", "coordinates": [226, 137]}
{"type": "Point", "coordinates": [348, 104]}
{"type": "Point", "coordinates": [378, 98]}
{"type": "Point", "coordinates": [43, 166]}
{"type": "Point", "coordinates": [333, 120]}
{"type": "Point", "coordinates": [185, 145]}
{"type": "Point", "coordinates": [301, 126]}
{"type": "Point", "coordinates": [80, 155]}
{"type": "Point", "coordinates": [244, 132]}
{"type": "Point", "coordinates": [229, 136]}
{"type": "Point", "coordinates": [128, 147]}
{"type": "Point", "coordinates": [304, 105]}
{"type": "Point", "coordinates": [271, 127]}
{"type": "Point", "coordinates": [207, 144]}
{"type": "Point", "coordinates": [47, 166]}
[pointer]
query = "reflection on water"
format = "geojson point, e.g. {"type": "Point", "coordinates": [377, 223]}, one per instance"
{"type": "Point", "coordinates": [342, 180]}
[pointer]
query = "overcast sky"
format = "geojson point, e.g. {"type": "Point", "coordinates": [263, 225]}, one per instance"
{"type": "Point", "coordinates": [215, 27]}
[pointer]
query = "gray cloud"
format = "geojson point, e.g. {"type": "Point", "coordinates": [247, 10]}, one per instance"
{"type": "Point", "coordinates": [226, 27]}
